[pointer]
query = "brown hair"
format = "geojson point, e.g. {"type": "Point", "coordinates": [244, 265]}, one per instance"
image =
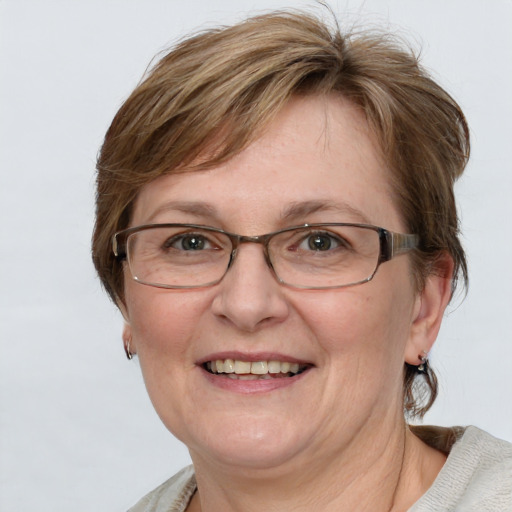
{"type": "Point", "coordinates": [215, 92]}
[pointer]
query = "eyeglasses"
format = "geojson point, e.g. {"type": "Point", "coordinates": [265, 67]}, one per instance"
{"type": "Point", "coordinates": [311, 256]}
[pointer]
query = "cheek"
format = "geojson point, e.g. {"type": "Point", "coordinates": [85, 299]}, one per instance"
{"type": "Point", "coordinates": [362, 325]}
{"type": "Point", "coordinates": [162, 321]}
{"type": "Point", "coordinates": [163, 325]}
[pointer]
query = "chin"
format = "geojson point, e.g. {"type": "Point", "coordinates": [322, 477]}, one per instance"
{"type": "Point", "coordinates": [261, 443]}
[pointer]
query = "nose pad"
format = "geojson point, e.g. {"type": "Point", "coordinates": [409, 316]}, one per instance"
{"type": "Point", "coordinates": [249, 296]}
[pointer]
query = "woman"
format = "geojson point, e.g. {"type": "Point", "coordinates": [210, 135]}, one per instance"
{"type": "Point", "coordinates": [276, 222]}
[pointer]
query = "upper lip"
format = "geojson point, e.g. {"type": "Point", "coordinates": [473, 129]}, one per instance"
{"type": "Point", "coordinates": [251, 357]}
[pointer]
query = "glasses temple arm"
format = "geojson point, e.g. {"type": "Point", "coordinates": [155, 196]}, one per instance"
{"type": "Point", "coordinates": [118, 248]}
{"type": "Point", "coordinates": [401, 243]}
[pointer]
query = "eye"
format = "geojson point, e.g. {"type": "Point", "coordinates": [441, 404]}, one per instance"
{"type": "Point", "coordinates": [189, 242]}
{"type": "Point", "coordinates": [321, 242]}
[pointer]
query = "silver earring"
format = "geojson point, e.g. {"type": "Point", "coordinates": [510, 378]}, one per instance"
{"type": "Point", "coordinates": [127, 351]}
{"type": "Point", "coordinates": [422, 367]}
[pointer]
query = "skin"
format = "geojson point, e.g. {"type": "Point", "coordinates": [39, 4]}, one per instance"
{"type": "Point", "coordinates": [335, 437]}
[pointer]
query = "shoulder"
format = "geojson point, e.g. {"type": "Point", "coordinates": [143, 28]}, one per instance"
{"type": "Point", "coordinates": [477, 475]}
{"type": "Point", "coordinates": [172, 496]}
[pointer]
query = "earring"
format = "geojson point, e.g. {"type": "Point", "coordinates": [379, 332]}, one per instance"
{"type": "Point", "coordinates": [127, 351]}
{"type": "Point", "coordinates": [422, 367]}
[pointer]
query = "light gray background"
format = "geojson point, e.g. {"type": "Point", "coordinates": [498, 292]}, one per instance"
{"type": "Point", "coordinates": [77, 430]}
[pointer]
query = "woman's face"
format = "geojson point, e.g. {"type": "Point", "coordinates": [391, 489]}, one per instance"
{"type": "Point", "coordinates": [317, 163]}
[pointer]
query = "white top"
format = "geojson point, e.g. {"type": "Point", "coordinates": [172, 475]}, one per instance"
{"type": "Point", "coordinates": [477, 476]}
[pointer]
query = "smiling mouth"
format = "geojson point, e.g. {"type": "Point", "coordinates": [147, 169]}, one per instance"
{"type": "Point", "coordinates": [256, 370]}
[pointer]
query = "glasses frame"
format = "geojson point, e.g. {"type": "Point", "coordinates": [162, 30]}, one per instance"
{"type": "Point", "coordinates": [391, 244]}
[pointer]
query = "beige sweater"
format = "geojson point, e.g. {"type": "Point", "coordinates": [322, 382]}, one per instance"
{"type": "Point", "coordinates": [477, 476]}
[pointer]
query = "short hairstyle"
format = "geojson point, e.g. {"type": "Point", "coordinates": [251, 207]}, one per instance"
{"type": "Point", "coordinates": [214, 93]}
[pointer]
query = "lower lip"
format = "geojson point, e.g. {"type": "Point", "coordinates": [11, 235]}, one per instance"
{"type": "Point", "coordinates": [252, 386]}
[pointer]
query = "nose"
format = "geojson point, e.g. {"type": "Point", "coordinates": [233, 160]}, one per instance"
{"type": "Point", "coordinates": [249, 296]}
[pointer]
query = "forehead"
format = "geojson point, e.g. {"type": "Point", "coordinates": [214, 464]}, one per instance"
{"type": "Point", "coordinates": [317, 161]}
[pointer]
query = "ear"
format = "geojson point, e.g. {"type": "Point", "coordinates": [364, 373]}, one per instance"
{"type": "Point", "coordinates": [429, 309]}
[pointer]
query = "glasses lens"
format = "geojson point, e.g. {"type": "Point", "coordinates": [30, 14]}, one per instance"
{"type": "Point", "coordinates": [325, 256]}
{"type": "Point", "coordinates": [175, 257]}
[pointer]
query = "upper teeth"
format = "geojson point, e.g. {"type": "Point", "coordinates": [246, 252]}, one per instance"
{"type": "Point", "coordinates": [256, 368]}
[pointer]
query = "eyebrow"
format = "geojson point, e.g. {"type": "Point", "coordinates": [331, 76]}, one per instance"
{"type": "Point", "coordinates": [294, 212]}
{"type": "Point", "coordinates": [302, 209]}
{"type": "Point", "coordinates": [198, 209]}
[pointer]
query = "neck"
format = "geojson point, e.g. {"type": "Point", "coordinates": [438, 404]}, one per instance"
{"type": "Point", "coordinates": [388, 472]}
